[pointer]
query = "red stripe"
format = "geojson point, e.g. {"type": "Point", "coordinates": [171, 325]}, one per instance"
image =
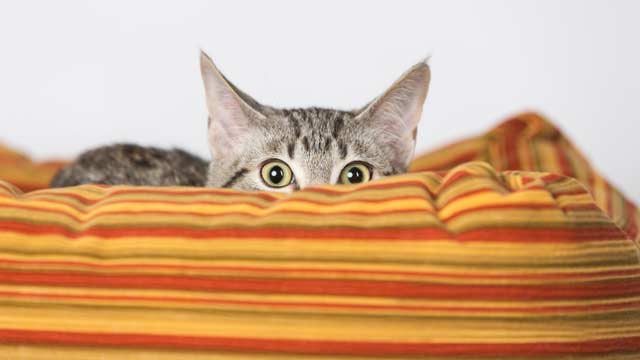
{"type": "Point", "coordinates": [553, 178]}
{"type": "Point", "coordinates": [632, 225]}
{"type": "Point", "coordinates": [494, 234]}
{"type": "Point", "coordinates": [331, 202]}
{"type": "Point", "coordinates": [530, 151]}
{"type": "Point", "coordinates": [580, 291]}
{"type": "Point", "coordinates": [550, 235]}
{"type": "Point", "coordinates": [114, 200]}
{"type": "Point", "coordinates": [274, 234]}
{"type": "Point", "coordinates": [326, 347]}
{"type": "Point", "coordinates": [329, 271]}
{"type": "Point", "coordinates": [582, 207]}
{"type": "Point", "coordinates": [453, 177]}
{"type": "Point", "coordinates": [609, 196]}
{"type": "Point", "coordinates": [571, 192]}
{"type": "Point", "coordinates": [512, 130]}
{"type": "Point", "coordinates": [30, 186]}
{"type": "Point", "coordinates": [109, 192]}
{"type": "Point", "coordinates": [563, 161]}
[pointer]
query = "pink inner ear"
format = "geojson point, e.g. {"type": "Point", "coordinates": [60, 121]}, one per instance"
{"type": "Point", "coordinates": [227, 132]}
{"type": "Point", "coordinates": [228, 124]}
{"type": "Point", "coordinates": [396, 114]}
{"type": "Point", "coordinates": [397, 117]}
{"type": "Point", "coordinates": [399, 109]}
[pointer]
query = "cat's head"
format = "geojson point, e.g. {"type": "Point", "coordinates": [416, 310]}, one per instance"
{"type": "Point", "coordinates": [257, 147]}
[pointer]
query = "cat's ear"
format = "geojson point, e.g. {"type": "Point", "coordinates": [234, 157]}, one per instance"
{"type": "Point", "coordinates": [394, 116]}
{"type": "Point", "coordinates": [231, 112]}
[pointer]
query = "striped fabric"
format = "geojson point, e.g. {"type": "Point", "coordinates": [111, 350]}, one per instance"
{"type": "Point", "coordinates": [459, 264]}
{"type": "Point", "coordinates": [530, 142]}
{"type": "Point", "coordinates": [27, 175]}
{"type": "Point", "coordinates": [465, 263]}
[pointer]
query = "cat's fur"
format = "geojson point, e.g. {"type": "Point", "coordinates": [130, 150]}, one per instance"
{"type": "Point", "coordinates": [243, 134]}
{"type": "Point", "coordinates": [134, 165]}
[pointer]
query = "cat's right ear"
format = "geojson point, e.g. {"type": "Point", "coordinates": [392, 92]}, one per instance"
{"type": "Point", "coordinates": [393, 117]}
{"type": "Point", "coordinates": [231, 112]}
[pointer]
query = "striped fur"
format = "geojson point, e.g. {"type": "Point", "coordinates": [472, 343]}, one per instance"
{"type": "Point", "coordinates": [315, 144]}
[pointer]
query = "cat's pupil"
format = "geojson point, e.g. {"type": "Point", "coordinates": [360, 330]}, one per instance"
{"type": "Point", "coordinates": [276, 174]}
{"type": "Point", "coordinates": [355, 175]}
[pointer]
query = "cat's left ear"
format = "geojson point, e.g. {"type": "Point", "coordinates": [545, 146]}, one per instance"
{"type": "Point", "coordinates": [394, 116]}
{"type": "Point", "coordinates": [232, 113]}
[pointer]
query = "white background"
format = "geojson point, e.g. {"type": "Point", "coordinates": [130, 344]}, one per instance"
{"type": "Point", "coordinates": [74, 75]}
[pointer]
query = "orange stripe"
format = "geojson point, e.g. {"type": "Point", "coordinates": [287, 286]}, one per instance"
{"type": "Point", "coordinates": [318, 346]}
{"type": "Point", "coordinates": [493, 234]}
{"type": "Point", "coordinates": [580, 291]}
{"type": "Point", "coordinates": [113, 191]}
{"type": "Point", "coordinates": [551, 178]}
{"type": "Point", "coordinates": [288, 270]}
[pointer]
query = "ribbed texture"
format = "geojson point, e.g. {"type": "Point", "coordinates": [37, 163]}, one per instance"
{"type": "Point", "coordinates": [460, 264]}
{"type": "Point", "coordinates": [471, 262]}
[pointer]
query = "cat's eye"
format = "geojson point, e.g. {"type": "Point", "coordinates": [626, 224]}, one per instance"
{"type": "Point", "coordinates": [276, 174]}
{"type": "Point", "coordinates": [355, 173]}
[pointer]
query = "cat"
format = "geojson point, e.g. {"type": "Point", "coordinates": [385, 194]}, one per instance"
{"type": "Point", "coordinates": [258, 147]}
{"type": "Point", "coordinates": [128, 164]}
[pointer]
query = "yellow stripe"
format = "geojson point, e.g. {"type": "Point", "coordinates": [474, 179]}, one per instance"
{"type": "Point", "coordinates": [294, 303]}
{"type": "Point", "coordinates": [34, 352]}
{"type": "Point", "coordinates": [462, 274]}
{"type": "Point", "coordinates": [443, 157]}
{"type": "Point", "coordinates": [214, 209]}
{"type": "Point", "coordinates": [177, 220]}
{"type": "Point", "coordinates": [333, 328]}
{"type": "Point", "coordinates": [620, 252]}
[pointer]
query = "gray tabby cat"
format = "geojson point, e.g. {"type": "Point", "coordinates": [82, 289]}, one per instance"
{"type": "Point", "coordinates": [258, 147]}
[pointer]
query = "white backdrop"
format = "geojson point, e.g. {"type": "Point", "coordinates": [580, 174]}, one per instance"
{"type": "Point", "coordinates": [77, 74]}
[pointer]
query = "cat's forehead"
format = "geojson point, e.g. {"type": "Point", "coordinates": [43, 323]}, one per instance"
{"type": "Point", "coordinates": [317, 119]}
{"type": "Point", "coordinates": [321, 137]}
{"type": "Point", "coordinates": [317, 132]}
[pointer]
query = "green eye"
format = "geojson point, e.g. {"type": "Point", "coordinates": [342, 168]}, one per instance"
{"type": "Point", "coordinates": [276, 174]}
{"type": "Point", "coordinates": [355, 173]}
